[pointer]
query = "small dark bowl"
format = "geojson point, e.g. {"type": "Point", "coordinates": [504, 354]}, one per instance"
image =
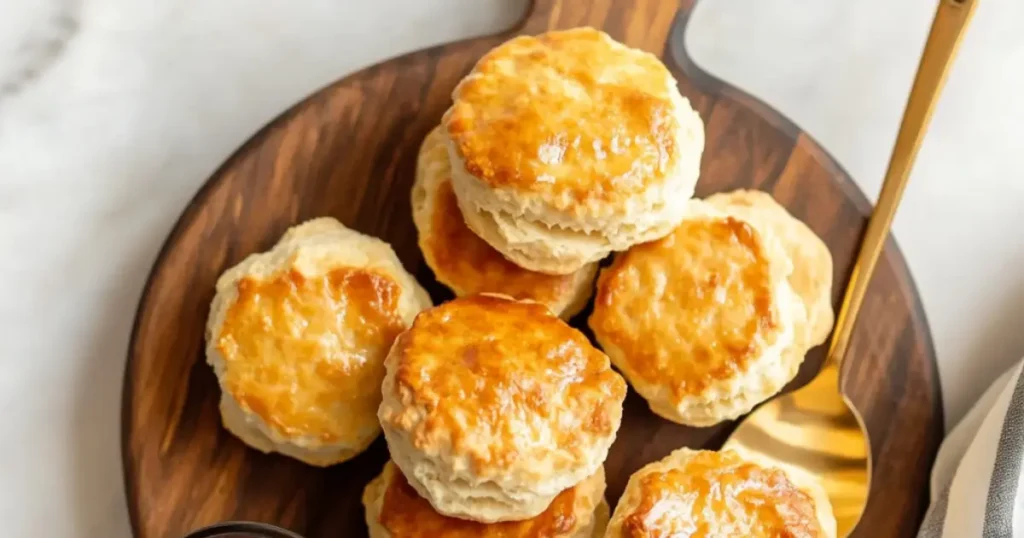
{"type": "Point", "coordinates": [241, 529]}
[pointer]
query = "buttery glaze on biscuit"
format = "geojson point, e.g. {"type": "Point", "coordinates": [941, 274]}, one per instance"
{"type": "Point", "coordinates": [811, 278]}
{"type": "Point", "coordinates": [492, 407]}
{"type": "Point", "coordinates": [716, 495]}
{"type": "Point", "coordinates": [571, 114]}
{"type": "Point", "coordinates": [508, 372]}
{"type": "Point", "coordinates": [402, 513]}
{"type": "Point", "coordinates": [568, 146]}
{"type": "Point", "coordinates": [689, 309]}
{"type": "Point", "coordinates": [297, 337]}
{"type": "Point", "coordinates": [466, 263]}
{"type": "Point", "coordinates": [299, 351]}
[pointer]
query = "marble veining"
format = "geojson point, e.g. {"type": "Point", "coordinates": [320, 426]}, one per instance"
{"type": "Point", "coordinates": [40, 46]}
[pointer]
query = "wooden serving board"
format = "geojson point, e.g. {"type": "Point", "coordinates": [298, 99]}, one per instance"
{"type": "Point", "coordinates": [349, 151]}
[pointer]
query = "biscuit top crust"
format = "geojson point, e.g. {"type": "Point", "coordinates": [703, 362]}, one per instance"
{"type": "Point", "coordinates": [464, 261]}
{"type": "Point", "coordinates": [404, 514]}
{"type": "Point", "coordinates": [690, 309]}
{"type": "Point", "coordinates": [720, 495]}
{"type": "Point", "coordinates": [811, 278]}
{"type": "Point", "coordinates": [306, 354]}
{"type": "Point", "coordinates": [504, 384]}
{"type": "Point", "coordinates": [572, 116]}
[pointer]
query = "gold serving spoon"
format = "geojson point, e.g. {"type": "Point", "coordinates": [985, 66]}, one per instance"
{"type": "Point", "coordinates": [815, 430]}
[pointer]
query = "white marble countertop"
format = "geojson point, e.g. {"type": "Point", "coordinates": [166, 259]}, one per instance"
{"type": "Point", "coordinates": [113, 112]}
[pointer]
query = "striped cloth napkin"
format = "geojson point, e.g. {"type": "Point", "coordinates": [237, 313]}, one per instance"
{"type": "Point", "coordinates": [977, 482]}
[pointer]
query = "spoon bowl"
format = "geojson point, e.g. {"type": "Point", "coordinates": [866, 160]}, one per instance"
{"type": "Point", "coordinates": [815, 433]}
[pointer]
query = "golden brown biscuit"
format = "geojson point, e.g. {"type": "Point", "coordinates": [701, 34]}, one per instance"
{"type": "Point", "coordinates": [494, 406]}
{"type": "Point", "coordinates": [297, 337]}
{"type": "Point", "coordinates": [811, 278]}
{"type": "Point", "coordinates": [699, 321]}
{"type": "Point", "coordinates": [467, 264]}
{"type": "Point", "coordinates": [395, 510]}
{"type": "Point", "coordinates": [569, 145]}
{"type": "Point", "coordinates": [719, 494]}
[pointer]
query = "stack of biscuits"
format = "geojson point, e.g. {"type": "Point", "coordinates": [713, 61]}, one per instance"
{"type": "Point", "coordinates": [559, 152]}
{"type": "Point", "coordinates": [493, 408]}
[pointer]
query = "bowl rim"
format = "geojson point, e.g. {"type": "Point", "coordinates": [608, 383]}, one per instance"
{"type": "Point", "coordinates": [260, 530]}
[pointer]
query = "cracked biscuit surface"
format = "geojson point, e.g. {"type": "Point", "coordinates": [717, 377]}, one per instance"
{"type": "Point", "coordinates": [811, 278]}
{"type": "Point", "coordinates": [297, 338]}
{"type": "Point", "coordinates": [710, 494]}
{"type": "Point", "coordinates": [569, 145]}
{"type": "Point", "coordinates": [704, 322]}
{"type": "Point", "coordinates": [492, 407]}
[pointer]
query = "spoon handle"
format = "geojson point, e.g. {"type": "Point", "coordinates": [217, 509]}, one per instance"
{"type": "Point", "coordinates": [951, 20]}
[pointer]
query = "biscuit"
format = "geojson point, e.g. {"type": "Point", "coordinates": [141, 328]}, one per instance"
{"type": "Point", "coordinates": [297, 338]}
{"type": "Point", "coordinates": [811, 278]}
{"type": "Point", "coordinates": [691, 493]}
{"type": "Point", "coordinates": [492, 407]}
{"type": "Point", "coordinates": [700, 321]}
{"type": "Point", "coordinates": [395, 510]}
{"type": "Point", "coordinates": [467, 264]}
{"type": "Point", "coordinates": [568, 146]}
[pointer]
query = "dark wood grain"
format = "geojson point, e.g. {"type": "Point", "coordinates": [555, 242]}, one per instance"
{"type": "Point", "coordinates": [349, 151]}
